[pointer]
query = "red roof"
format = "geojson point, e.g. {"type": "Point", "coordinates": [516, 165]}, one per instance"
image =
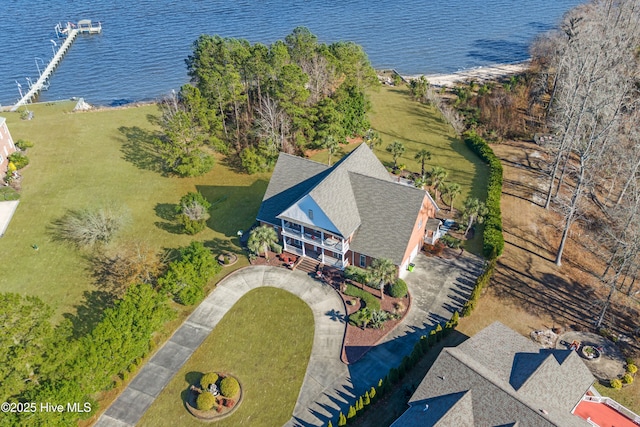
{"type": "Point", "coordinates": [603, 415]}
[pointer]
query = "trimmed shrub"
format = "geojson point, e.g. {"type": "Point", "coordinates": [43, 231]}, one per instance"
{"type": "Point", "coordinates": [493, 239]}
{"type": "Point", "coordinates": [18, 159]}
{"type": "Point", "coordinates": [342, 420]}
{"type": "Point", "coordinates": [205, 401]}
{"type": "Point", "coordinates": [359, 404]}
{"type": "Point", "coordinates": [438, 332]}
{"type": "Point", "coordinates": [615, 384]}
{"type": "Point", "coordinates": [370, 301]}
{"type": "Point", "coordinates": [192, 226]}
{"type": "Point", "coordinates": [352, 412]}
{"type": "Point", "coordinates": [398, 289]}
{"type": "Point", "coordinates": [367, 398]}
{"type": "Point", "coordinates": [631, 368]}
{"type": "Point", "coordinates": [229, 387]}
{"type": "Point", "coordinates": [627, 379]}
{"type": "Point", "coordinates": [372, 392]}
{"type": "Point", "coordinates": [356, 274]}
{"type": "Point", "coordinates": [23, 144]}
{"type": "Point", "coordinates": [208, 379]}
{"type": "Point", "coordinates": [329, 424]}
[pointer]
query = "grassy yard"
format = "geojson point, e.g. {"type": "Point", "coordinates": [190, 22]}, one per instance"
{"type": "Point", "coordinates": [397, 118]}
{"type": "Point", "coordinates": [265, 341]}
{"type": "Point", "coordinates": [102, 158]}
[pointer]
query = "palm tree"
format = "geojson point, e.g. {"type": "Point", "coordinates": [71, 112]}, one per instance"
{"type": "Point", "coordinates": [422, 156]}
{"type": "Point", "coordinates": [437, 177]}
{"type": "Point", "coordinates": [261, 238]}
{"type": "Point", "coordinates": [365, 316]}
{"type": "Point", "coordinates": [474, 211]}
{"type": "Point", "coordinates": [372, 138]}
{"type": "Point", "coordinates": [331, 144]}
{"type": "Point", "coordinates": [452, 191]}
{"type": "Point", "coordinates": [396, 149]}
{"type": "Point", "coordinates": [383, 272]}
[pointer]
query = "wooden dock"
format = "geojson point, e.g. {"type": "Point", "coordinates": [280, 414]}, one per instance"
{"type": "Point", "coordinates": [71, 34]}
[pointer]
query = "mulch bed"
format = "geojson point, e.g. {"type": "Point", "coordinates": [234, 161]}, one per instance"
{"type": "Point", "coordinates": [357, 342]}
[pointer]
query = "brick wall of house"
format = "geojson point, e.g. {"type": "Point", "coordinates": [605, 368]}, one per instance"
{"type": "Point", "coordinates": [6, 146]}
{"type": "Point", "coordinates": [417, 236]}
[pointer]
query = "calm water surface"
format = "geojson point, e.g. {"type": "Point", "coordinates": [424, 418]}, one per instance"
{"type": "Point", "coordinates": [140, 54]}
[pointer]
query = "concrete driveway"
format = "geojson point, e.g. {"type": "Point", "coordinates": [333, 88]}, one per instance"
{"type": "Point", "coordinates": [437, 286]}
{"type": "Point", "coordinates": [324, 363]}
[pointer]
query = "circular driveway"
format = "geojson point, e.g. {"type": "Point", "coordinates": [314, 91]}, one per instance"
{"type": "Point", "coordinates": [324, 363]}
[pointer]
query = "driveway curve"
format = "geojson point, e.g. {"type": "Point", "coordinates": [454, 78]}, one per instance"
{"type": "Point", "coordinates": [324, 363]}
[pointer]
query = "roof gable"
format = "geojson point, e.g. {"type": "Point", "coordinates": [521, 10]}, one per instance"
{"type": "Point", "coordinates": [301, 210]}
{"type": "Point", "coordinates": [292, 178]}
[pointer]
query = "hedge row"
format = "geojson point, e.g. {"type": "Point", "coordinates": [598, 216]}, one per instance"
{"type": "Point", "coordinates": [481, 282]}
{"type": "Point", "coordinates": [493, 240]}
{"type": "Point", "coordinates": [396, 374]}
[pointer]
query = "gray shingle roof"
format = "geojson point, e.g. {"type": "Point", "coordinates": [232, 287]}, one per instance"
{"type": "Point", "coordinates": [356, 194]}
{"type": "Point", "coordinates": [388, 211]}
{"type": "Point", "coordinates": [291, 179]}
{"type": "Point", "coordinates": [508, 379]}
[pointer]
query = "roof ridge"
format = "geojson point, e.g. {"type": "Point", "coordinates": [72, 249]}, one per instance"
{"type": "Point", "coordinates": [282, 153]}
{"type": "Point", "coordinates": [474, 368]}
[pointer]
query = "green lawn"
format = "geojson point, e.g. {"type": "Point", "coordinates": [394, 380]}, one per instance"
{"type": "Point", "coordinates": [102, 158]}
{"type": "Point", "coordinates": [265, 341]}
{"type": "Point", "coordinates": [397, 118]}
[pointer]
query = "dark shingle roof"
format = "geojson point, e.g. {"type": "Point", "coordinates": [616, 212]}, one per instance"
{"type": "Point", "coordinates": [357, 195]}
{"type": "Point", "coordinates": [291, 179]}
{"type": "Point", "coordinates": [388, 211]}
{"type": "Point", "coordinates": [509, 380]}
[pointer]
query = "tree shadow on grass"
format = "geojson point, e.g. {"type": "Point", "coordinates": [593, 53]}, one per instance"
{"type": "Point", "coordinates": [192, 378]}
{"type": "Point", "coordinates": [89, 312]}
{"type": "Point", "coordinates": [167, 211]}
{"type": "Point", "coordinates": [138, 148]}
{"type": "Point", "coordinates": [218, 246]}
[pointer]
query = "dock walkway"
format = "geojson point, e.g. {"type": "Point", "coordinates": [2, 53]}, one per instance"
{"type": "Point", "coordinates": [84, 26]}
{"type": "Point", "coordinates": [37, 86]}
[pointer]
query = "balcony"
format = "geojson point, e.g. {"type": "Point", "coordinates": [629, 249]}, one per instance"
{"type": "Point", "coordinates": [315, 238]}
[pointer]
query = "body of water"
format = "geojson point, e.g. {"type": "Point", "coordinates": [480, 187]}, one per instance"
{"type": "Point", "coordinates": [140, 54]}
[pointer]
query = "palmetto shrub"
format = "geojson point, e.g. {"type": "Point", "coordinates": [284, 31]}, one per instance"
{"type": "Point", "coordinates": [87, 227]}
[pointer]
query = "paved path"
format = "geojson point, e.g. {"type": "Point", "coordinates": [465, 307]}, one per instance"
{"type": "Point", "coordinates": [324, 363]}
{"type": "Point", "coordinates": [7, 209]}
{"type": "Point", "coordinates": [438, 287]}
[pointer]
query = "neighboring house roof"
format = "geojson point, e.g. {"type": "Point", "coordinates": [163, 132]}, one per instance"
{"type": "Point", "coordinates": [500, 378]}
{"type": "Point", "coordinates": [356, 195]}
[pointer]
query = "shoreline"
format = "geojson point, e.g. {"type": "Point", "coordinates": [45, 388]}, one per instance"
{"type": "Point", "coordinates": [480, 74]}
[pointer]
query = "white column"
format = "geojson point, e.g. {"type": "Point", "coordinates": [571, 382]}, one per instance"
{"type": "Point", "coordinates": [322, 256]}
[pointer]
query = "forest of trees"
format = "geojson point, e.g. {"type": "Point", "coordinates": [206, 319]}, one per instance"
{"type": "Point", "coordinates": [589, 84]}
{"type": "Point", "coordinates": [252, 101]}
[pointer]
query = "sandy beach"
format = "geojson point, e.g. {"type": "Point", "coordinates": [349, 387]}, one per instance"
{"type": "Point", "coordinates": [477, 74]}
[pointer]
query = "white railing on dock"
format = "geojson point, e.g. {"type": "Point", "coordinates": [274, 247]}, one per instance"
{"type": "Point", "coordinates": [37, 86]}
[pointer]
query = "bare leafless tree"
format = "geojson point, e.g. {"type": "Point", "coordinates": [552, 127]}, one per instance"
{"type": "Point", "coordinates": [273, 126]}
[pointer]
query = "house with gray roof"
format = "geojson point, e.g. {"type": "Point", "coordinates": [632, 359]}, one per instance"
{"type": "Point", "coordinates": [500, 378]}
{"type": "Point", "coordinates": [348, 214]}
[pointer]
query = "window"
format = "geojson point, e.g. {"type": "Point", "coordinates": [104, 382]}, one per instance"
{"type": "Point", "coordinates": [310, 214]}
{"type": "Point", "coordinates": [363, 260]}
